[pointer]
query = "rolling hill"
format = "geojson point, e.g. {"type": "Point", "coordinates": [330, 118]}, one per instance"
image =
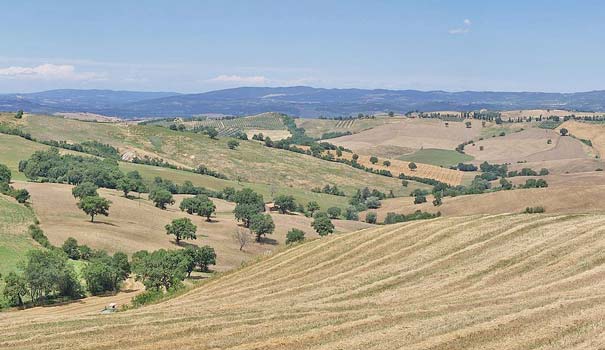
{"type": "Point", "coordinates": [482, 282]}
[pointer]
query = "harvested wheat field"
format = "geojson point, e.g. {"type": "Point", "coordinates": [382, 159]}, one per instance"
{"type": "Point", "coordinates": [411, 134]}
{"type": "Point", "coordinates": [528, 145]}
{"type": "Point", "coordinates": [554, 199]}
{"type": "Point", "coordinates": [135, 224]}
{"type": "Point", "coordinates": [483, 282]}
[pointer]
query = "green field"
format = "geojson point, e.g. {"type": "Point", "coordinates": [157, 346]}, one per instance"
{"type": "Point", "coordinates": [440, 157]}
{"type": "Point", "coordinates": [14, 241]}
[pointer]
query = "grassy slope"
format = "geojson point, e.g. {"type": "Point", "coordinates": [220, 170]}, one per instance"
{"type": "Point", "coordinates": [14, 241]}
{"type": "Point", "coordinates": [18, 149]}
{"type": "Point", "coordinates": [251, 162]}
{"type": "Point", "coordinates": [494, 282]}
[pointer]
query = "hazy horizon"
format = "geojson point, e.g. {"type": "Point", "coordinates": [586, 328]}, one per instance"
{"type": "Point", "coordinates": [198, 46]}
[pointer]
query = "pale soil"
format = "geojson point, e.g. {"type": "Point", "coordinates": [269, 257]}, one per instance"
{"type": "Point", "coordinates": [484, 282]}
{"type": "Point", "coordinates": [411, 134]}
{"type": "Point", "coordinates": [88, 117]}
{"type": "Point", "coordinates": [528, 145]}
{"type": "Point", "coordinates": [135, 224]}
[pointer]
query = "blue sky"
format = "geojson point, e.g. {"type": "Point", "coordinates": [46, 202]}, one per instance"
{"type": "Point", "coordinates": [194, 46]}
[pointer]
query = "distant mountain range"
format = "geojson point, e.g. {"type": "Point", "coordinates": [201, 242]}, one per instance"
{"type": "Point", "coordinates": [297, 101]}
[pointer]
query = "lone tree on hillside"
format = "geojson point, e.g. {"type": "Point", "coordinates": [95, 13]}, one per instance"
{"type": "Point", "coordinates": [126, 185]}
{"type": "Point", "coordinates": [161, 197]}
{"type": "Point", "coordinates": [322, 224]}
{"type": "Point", "coordinates": [19, 114]}
{"type": "Point", "coordinates": [285, 203]}
{"type": "Point", "coordinates": [386, 163]}
{"type": "Point", "coordinates": [373, 160]}
{"type": "Point", "coordinates": [94, 205]}
{"type": "Point", "coordinates": [355, 156]}
{"type": "Point", "coordinates": [295, 235]}
{"type": "Point", "coordinates": [212, 132]}
{"type": "Point", "coordinates": [564, 132]}
{"type": "Point", "coordinates": [181, 228]}
{"type": "Point", "coordinates": [334, 212]}
{"type": "Point", "coordinates": [232, 144]}
{"type": "Point", "coordinates": [412, 166]}
{"type": "Point", "coordinates": [261, 225]}
{"type": "Point", "coordinates": [241, 237]}
{"type": "Point", "coordinates": [5, 174]}
{"type": "Point", "coordinates": [85, 189]}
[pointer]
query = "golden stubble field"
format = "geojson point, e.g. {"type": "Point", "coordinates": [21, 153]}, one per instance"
{"type": "Point", "coordinates": [135, 224]}
{"type": "Point", "coordinates": [481, 282]}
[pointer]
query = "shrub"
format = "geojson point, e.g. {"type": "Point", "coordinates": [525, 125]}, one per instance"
{"type": "Point", "coordinates": [534, 210]}
{"type": "Point", "coordinates": [295, 235]}
{"type": "Point", "coordinates": [371, 218]}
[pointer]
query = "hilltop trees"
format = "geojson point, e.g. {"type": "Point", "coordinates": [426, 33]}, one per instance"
{"type": "Point", "coordinates": [181, 228]}
{"type": "Point", "coordinates": [322, 224]}
{"type": "Point", "coordinates": [94, 205]}
{"type": "Point", "coordinates": [261, 225]}
{"type": "Point", "coordinates": [19, 114]}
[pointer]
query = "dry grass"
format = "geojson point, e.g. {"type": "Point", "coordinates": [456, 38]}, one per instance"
{"type": "Point", "coordinates": [411, 134]}
{"type": "Point", "coordinates": [528, 145]}
{"type": "Point", "coordinates": [484, 282]}
{"type": "Point", "coordinates": [135, 224]}
{"type": "Point", "coordinates": [593, 132]}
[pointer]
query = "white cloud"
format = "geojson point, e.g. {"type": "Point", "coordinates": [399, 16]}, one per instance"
{"type": "Point", "coordinates": [238, 79]}
{"type": "Point", "coordinates": [462, 30]}
{"type": "Point", "coordinates": [48, 71]}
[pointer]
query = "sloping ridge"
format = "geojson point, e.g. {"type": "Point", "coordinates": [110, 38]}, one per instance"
{"type": "Point", "coordinates": [483, 282]}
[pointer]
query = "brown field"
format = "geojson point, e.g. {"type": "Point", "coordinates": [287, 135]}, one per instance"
{"type": "Point", "coordinates": [317, 127]}
{"type": "Point", "coordinates": [88, 117]}
{"type": "Point", "coordinates": [274, 135]}
{"type": "Point", "coordinates": [412, 134]}
{"type": "Point", "coordinates": [528, 145]}
{"type": "Point", "coordinates": [593, 132]}
{"type": "Point", "coordinates": [135, 224]}
{"type": "Point", "coordinates": [482, 282]}
{"type": "Point", "coordinates": [571, 193]}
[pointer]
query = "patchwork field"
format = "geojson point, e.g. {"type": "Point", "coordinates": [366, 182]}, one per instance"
{"type": "Point", "coordinates": [482, 282]}
{"type": "Point", "coordinates": [439, 157]}
{"type": "Point", "coordinates": [135, 224]}
{"type": "Point", "coordinates": [318, 127]}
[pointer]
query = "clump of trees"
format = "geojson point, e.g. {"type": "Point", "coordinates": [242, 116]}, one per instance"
{"type": "Point", "coordinates": [393, 218]}
{"type": "Point", "coordinates": [366, 198]}
{"type": "Point", "coordinates": [333, 190]}
{"type": "Point", "coordinates": [21, 195]}
{"type": "Point", "coordinates": [285, 203]}
{"type": "Point", "coordinates": [200, 205]}
{"type": "Point", "coordinates": [105, 273]}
